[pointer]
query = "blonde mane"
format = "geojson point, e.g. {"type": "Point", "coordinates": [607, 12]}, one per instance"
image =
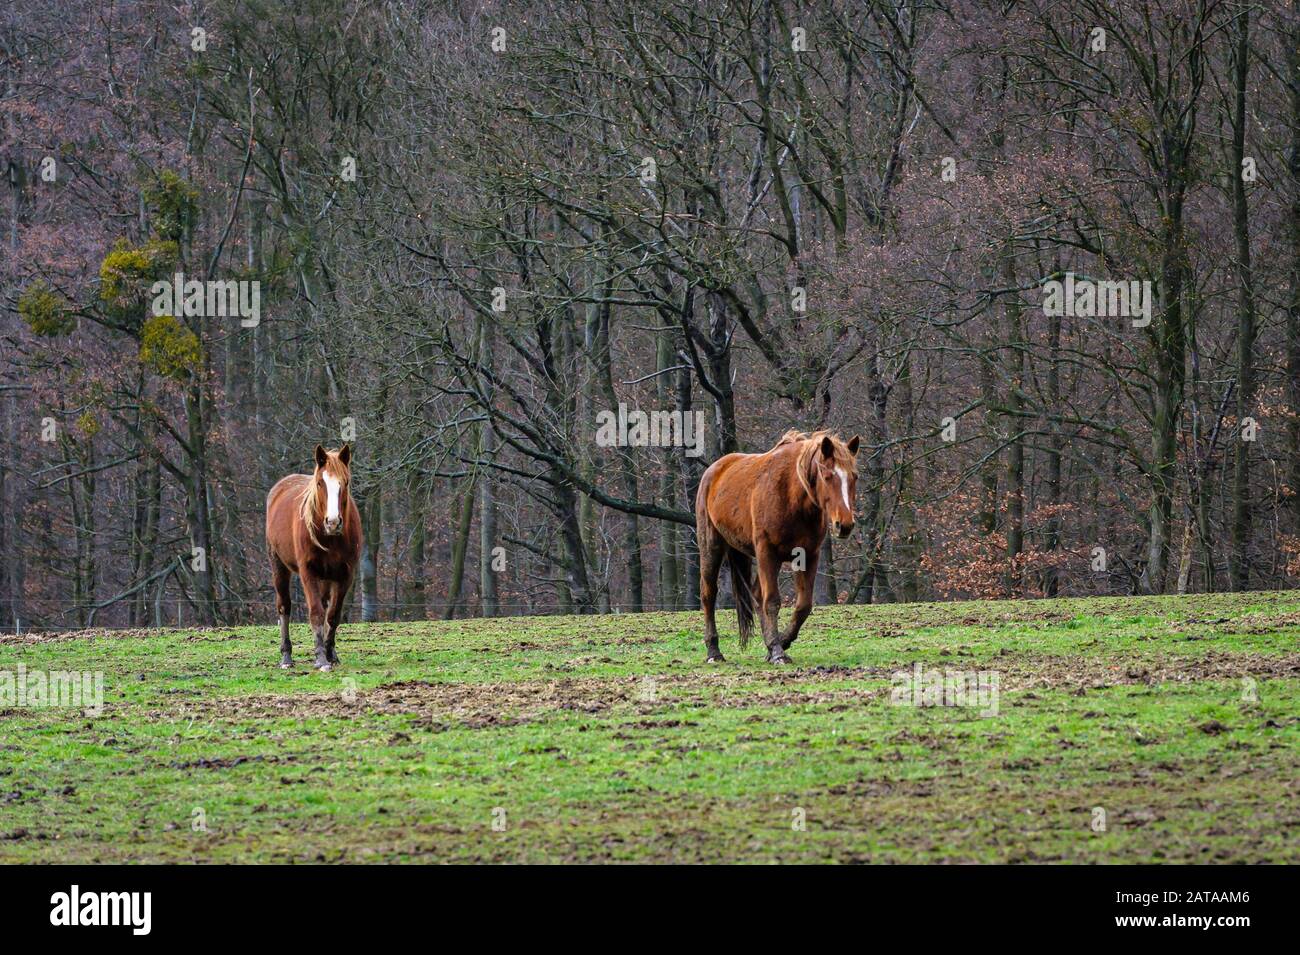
{"type": "Point", "coordinates": [811, 444]}
{"type": "Point", "coordinates": [307, 510]}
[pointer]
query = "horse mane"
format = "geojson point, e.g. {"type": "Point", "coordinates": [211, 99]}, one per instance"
{"type": "Point", "coordinates": [307, 509]}
{"type": "Point", "coordinates": [307, 502]}
{"type": "Point", "coordinates": [811, 445]}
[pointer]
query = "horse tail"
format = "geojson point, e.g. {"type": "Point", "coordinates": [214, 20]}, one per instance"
{"type": "Point", "coordinates": [742, 589]}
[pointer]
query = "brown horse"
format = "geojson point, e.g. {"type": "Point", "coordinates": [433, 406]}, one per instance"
{"type": "Point", "coordinates": [313, 530]}
{"type": "Point", "coordinates": [773, 507]}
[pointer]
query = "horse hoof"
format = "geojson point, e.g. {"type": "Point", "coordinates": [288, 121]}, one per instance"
{"type": "Point", "coordinates": [286, 665]}
{"type": "Point", "coordinates": [324, 667]}
{"type": "Point", "coordinates": [716, 659]}
{"type": "Point", "coordinates": [779, 661]}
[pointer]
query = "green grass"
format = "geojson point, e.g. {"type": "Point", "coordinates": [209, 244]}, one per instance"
{"type": "Point", "coordinates": [608, 739]}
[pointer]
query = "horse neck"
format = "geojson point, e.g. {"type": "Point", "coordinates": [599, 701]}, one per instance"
{"type": "Point", "coordinates": [806, 499]}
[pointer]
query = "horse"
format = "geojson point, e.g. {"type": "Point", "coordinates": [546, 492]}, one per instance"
{"type": "Point", "coordinates": [773, 507]}
{"type": "Point", "coordinates": [313, 529]}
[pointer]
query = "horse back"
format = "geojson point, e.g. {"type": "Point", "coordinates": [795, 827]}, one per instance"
{"type": "Point", "coordinates": [745, 495]}
{"type": "Point", "coordinates": [725, 495]}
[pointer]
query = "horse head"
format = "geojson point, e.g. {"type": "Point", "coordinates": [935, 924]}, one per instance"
{"type": "Point", "coordinates": [328, 492]}
{"type": "Point", "coordinates": [834, 484]}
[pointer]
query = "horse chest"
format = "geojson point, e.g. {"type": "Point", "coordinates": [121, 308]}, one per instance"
{"type": "Point", "coordinates": [796, 529]}
{"type": "Point", "coordinates": [327, 565]}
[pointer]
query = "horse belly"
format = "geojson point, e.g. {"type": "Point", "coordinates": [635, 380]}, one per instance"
{"type": "Point", "coordinates": [740, 542]}
{"type": "Point", "coordinates": [732, 524]}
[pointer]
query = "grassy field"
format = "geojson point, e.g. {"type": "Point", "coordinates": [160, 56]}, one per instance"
{"type": "Point", "coordinates": [1173, 721]}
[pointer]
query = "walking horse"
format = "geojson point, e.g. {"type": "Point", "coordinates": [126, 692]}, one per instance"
{"type": "Point", "coordinates": [313, 529]}
{"type": "Point", "coordinates": [772, 508]}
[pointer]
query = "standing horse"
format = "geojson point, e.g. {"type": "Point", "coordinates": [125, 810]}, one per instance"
{"type": "Point", "coordinates": [772, 507]}
{"type": "Point", "coordinates": [313, 530]}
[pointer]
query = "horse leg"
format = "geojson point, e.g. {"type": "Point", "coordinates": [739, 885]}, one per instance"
{"type": "Point", "coordinates": [338, 590]}
{"type": "Point", "coordinates": [769, 570]}
{"type": "Point", "coordinates": [712, 550]}
{"type": "Point", "coordinates": [803, 583]}
{"type": "Point", "coordinates": [316, 590]}
{"type": "Point", "coordinates": [283, 592]}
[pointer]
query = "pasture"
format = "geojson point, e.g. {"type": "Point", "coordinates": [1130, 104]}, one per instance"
{"type": "Point", "coordinates": [607, 739]}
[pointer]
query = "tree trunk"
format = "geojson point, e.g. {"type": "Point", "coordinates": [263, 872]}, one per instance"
{"type": "Point", "coordinates": [487, 538]}
{"type": "Point", "coordinates": [371, 521]}
{"type": "Point", "coordinates": [14, 551]}
{"type": "Point", "coordinates": [1013, 423]}
{"type": "Point", "coordinates": [1171, 165]}
{"type": "Point", "coordinates": [1292, 45]}
{"type": "Point", "coordinates": [986, 518]}
{"type": "Point", "coordinates": [487, 521]}
{"type": "Point", "coordinates": [412, 600]}
{"type": "Point", "coordinates": [1170, 339]}
{"type": "Point", "coordinates": [459, 547]}
{"type": "Point", "coordinates": [720, 372]}
{"type": "Point", "coordinates": [872, 516]}
{"type": "Point", "coordinates": [1239, 555]}
{"type": "Point", "coordinates": [8, 555]}
{"type": "Point", "coordinates": [692, 470]}
{"type": "Point", "coordinates": [1055, 450]}
{"type": "Point", "coordinates": [669, 594]}
{"type": "Point", "coordinates": [199, 517]}
{"type": "Point", "coordinates": [825, 590]}
{"type": "Point", "coordinates": [602, 358]}
{"type": "Point", "coordinates": [573, 561]}
{"type": "Point", "coordinates": [908, 588]}
{"type": "Point", "coordinates": [148, 493]}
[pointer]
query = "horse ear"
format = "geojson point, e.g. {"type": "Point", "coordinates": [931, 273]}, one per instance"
{"type": "Point", "coordinates": [828, 448]}
{"type": "Point", "coordinates": [853, 445]}
{"type": "Point", "coordinates": [345, 454]}
{"type": "Point", "coordinates": [320, 457]}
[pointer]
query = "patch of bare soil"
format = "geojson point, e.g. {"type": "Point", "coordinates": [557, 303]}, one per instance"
{"type": "Point", "coordinates": [1258, 623]}
{"type": "Point", "coordinates": [192, 634]}
{"type": "Point", "coordinates": [59, 636]}
{"type": "Point", "coordinates": [483, 705]}
{"type": "Point", "coordinates": [219, 763]}
{"type": "Point", "coordinates": [1019, 672]}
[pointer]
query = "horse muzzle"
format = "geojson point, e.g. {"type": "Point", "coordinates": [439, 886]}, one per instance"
{"type": "Point", "coordinates": [842, 530]}
{"type": "Point", "coordinates": [333, 527]}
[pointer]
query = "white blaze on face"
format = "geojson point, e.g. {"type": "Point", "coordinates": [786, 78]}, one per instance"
{"type": "Point", "coordinates": [844, 489]}
{"type": "Point", "coordinates": [331, 498]}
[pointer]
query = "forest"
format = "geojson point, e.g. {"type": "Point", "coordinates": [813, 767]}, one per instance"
{"type": "Point", "coordinates": [540, 263]}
